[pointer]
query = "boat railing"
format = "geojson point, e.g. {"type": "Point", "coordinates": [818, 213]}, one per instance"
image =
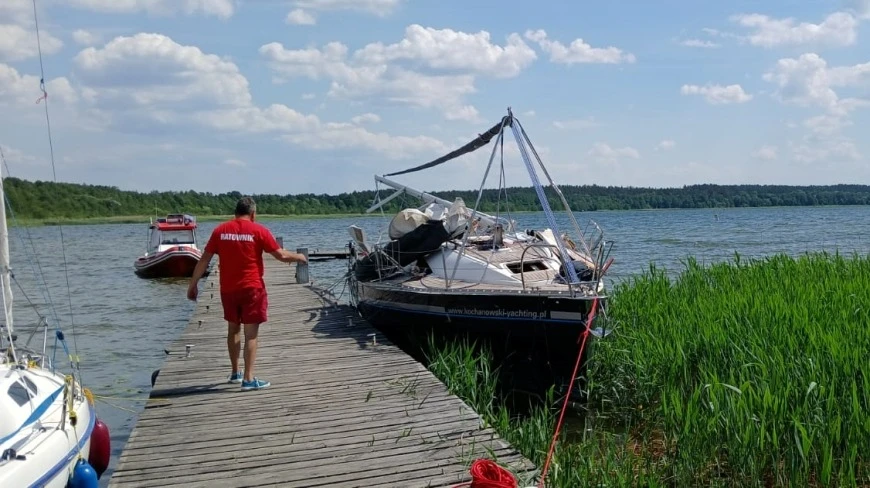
{"type": "Point", "coordinates": [548, 245]}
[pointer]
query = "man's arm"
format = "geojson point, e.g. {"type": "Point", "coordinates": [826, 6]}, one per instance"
{"type": "Point", "coordinates": [286, 256]}
{"type": "Point", "coordinates": [198, 271]}
{"type": "Point", "coordinates": [270, 245]}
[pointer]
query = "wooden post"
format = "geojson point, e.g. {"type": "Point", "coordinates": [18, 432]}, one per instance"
{"type": "Point", "coordinates": [280, 240]}
{"type": "Point", "coordinates": [302, 268]}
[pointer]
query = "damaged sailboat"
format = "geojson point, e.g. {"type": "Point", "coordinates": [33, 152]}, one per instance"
{"type": "Point", "coordinates": [448, 267]}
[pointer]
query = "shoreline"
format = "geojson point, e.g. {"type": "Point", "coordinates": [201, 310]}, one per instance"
{"type": "Point", "coordinates": [142, 219]}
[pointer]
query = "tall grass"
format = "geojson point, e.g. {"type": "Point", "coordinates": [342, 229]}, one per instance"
{"type": "Point", "coordinates": [467, 369]}
{"type": "Point", "coordinates": [750, 372]}
{"type": "Point", "coordinates": [744, 373]}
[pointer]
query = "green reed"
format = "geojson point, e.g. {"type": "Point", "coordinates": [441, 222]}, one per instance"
{"type": "Point", "coordinates": [750, 372]}
{"type": "Point", "coordinates": [743, 373]}
{"type": "Point", "coordinates": [467, 369]}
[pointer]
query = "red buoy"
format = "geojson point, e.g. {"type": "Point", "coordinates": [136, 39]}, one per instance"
{"type": "Point", "coordinates": [101, 448]}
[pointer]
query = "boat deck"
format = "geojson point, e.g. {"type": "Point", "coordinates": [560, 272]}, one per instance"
{"type": "Point", "coordinates": [346, 407]}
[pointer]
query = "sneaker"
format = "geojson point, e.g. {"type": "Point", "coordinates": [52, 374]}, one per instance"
{"type": "Point", "coordinates": [235, 377]}
{"type": "Point", "coordinates": [256, 384]}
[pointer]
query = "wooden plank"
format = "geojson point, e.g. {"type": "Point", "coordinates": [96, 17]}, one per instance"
{"type": "Point", "coordinates": [344, 409]}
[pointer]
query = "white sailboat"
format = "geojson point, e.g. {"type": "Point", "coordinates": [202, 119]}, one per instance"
{"type": "Point", "coordinates": [48, 427]}
{"type": "Point", "coordinates": [451, 268]}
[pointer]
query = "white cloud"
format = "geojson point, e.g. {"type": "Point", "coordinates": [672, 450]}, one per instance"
{"type": "Point", "coordinates": [86, 38]}
{"type": "Point", "coordinates": [300, 17]}
{"type": "Point", "coordinates": [838, 29]}
{"type": "Point", "coordinates": [152, 76]}
{"type": "Point", "coordinates": [344, 136]}
{"type": "Point", "coordinates": [18, 43]}
{"type": "Point", "coordinates": [807, 81]}
{"type": "Point", "coordinates": [223, 9]}
{"type": "Point", "coordinates": [14, 157]}
{"type": "Point", "coordinates": [666, 145]}
{"type": "Point", "coordinates": [452, 50]}
{"type": "Point", "coordinates": [826, 124]}
{"type": "Point", "coordinates": [153, 71]}
{"type": "Point", "coordinates": [814, 149]}
{"type": "Point", "coordinates": [308, 96]}
{"type": "Point", "coordinates": [18, 12]}
{"type": "Point", "coordinates": [767, 153]}
{"type": "Point", "coordinates": [861, 8]}
{"type": "Point", "coordinates": [576, 124]}
{"type": "Point", "coordinates": [718, 94]}
{"type": "Point", "coordinates": [699, 43]}
{"type": "Point", "coordinates": [377, 7]}
{"type": "Point", "coordinates": [388, 70]}
{"type": "Point", "coordinates": [235, 162]}
{"type": "Point", "coordinates": [578, 51]}
{"type": "Point", "coordinates": [21, 89]}
{"type": "Point", "coordinates": [603, 153]}
{"type": "Point", "coordinates": [366, 118]}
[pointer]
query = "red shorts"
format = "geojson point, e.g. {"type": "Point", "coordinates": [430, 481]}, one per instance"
{"type": "Point", "coordinates": [245, 306]}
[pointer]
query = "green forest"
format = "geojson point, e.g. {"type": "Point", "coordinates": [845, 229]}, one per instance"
{"type": "Point", "coordinates": [48, 200]}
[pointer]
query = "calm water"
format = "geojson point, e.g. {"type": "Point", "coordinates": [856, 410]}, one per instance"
{"type": "Point", "coordinates": [122, 322]}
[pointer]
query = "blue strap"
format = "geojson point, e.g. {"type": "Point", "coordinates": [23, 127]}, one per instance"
{"type": "Point", "coordinates": [35, 414]}
{"type": "Point", "coordinates": [551, 219]}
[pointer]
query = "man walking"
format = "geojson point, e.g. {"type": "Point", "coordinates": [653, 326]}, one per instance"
{"type": "Point", "coordinates": [239, 244]}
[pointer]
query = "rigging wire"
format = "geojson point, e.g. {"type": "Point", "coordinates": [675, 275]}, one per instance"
{"type": "Point", "coordinates": [35, 264]}
{"type": "Point", "coordinates": [44, 99]}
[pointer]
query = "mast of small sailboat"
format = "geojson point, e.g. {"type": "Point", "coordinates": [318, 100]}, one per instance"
{"type": "Point", "coordinates": [5, 272]}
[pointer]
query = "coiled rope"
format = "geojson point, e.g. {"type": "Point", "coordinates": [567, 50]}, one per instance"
{"type": "Point", "coordinates": [487, 474]}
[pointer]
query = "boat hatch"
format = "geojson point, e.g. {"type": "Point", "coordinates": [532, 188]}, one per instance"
{"type": "Point", "coordinates": [18, 393]}
{"type": "Point", "coordinates": [526, 267]}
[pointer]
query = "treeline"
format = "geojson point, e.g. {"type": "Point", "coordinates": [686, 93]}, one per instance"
{"type": "Point", "coordinates": [46, 200]}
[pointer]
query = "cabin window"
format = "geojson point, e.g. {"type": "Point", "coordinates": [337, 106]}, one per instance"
{"type": "Point", "coordinates": [177, 237]}
{"type": "Point", "coordinates": [526, 267]}
{"type": "Point", "coordinates": [19, 393]}
{"type": "Point", "coordinates": [31, 385]}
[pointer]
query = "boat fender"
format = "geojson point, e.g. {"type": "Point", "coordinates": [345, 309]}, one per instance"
{"type": "Point", "coordinates": [101, 448]}
{"type": "Point", "coordinates": [83, 476]}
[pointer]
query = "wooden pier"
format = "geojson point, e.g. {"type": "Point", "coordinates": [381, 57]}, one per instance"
{"type": "Point", "coordinates": [346, 407]}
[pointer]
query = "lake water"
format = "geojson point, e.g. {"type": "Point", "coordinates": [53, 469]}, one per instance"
{"type": "Point", "coordinates": [122, 323]}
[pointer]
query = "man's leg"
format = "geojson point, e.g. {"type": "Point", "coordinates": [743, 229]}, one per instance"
{"type": "Point", "coordinates": [254, 314]}
{"type": "Point", "coordinates": [234, 344]}
{"type": "Point", "coordinates": [251, 331]}
{"type": "Point", "coordinates": [234, 347]}
{"type": "Point", "coordinates": [233, 316]}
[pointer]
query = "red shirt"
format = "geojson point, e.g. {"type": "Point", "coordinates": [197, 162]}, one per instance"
{"type": "Point", "coordinates": [240, 244]}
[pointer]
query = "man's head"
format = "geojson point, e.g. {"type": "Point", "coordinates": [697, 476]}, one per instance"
{"type": "Point", "coordinates": [246, 206]}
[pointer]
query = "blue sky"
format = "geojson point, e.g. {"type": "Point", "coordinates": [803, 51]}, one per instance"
{"type": "Point", "coordinates": [318, 96]}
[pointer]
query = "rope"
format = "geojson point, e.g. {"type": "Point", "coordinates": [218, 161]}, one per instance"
{"type": "Point", "coordinates": [37, 268]}
{"type": "Point", "coordinates": [74, 363]}
{"type": "Point", "coordinates": [568, 395]}
{"type": "Point", "coordinates": [487, 474]}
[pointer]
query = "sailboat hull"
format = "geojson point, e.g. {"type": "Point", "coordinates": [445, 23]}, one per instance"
{"type": "Point", "coordinates": [544, 330]}
{"type": "Point", "coordinates": [46, 457]}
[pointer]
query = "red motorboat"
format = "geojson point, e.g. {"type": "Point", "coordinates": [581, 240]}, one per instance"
{"type": "Point", "coordinates": [172, 250]}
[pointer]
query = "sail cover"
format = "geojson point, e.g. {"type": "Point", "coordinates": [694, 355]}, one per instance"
{"type": "Point", "coordinates": [480, 141]}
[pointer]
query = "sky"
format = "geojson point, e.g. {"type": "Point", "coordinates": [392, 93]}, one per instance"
{"type": "Point", "coordinates": [318, 96]}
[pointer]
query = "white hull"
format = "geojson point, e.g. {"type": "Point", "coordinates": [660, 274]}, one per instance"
{"type": "Point", "coordinates": [40, 430]}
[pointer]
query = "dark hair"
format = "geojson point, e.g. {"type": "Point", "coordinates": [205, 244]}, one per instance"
{"type": "Point", "coordinates": [245, 206]}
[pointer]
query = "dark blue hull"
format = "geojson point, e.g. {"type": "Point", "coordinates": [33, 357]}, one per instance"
{"type": "Point", "coordinates": [540, 334]}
